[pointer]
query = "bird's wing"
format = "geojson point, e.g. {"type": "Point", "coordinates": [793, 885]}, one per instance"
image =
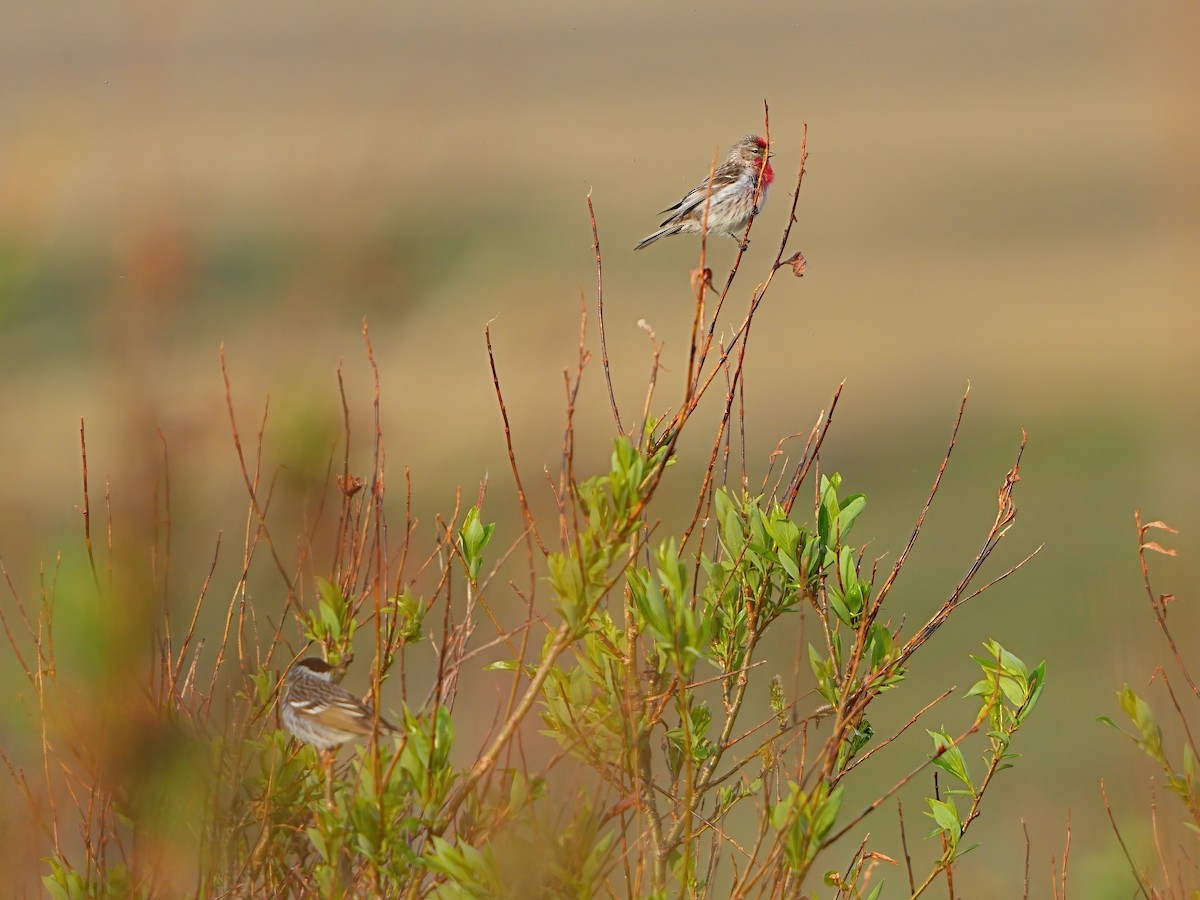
{"type": "Point", "coordinates": [354, 718]}
{"type": "Point", "coordinates": [347, 714]}
{"type": "Point", "coordinates": [724, 177]}
{"type": "Point", "coordinates": [334, 708]}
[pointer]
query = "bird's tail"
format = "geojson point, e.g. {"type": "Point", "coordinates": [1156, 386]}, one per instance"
{"type": "Point", "coordinates": [662, 232]}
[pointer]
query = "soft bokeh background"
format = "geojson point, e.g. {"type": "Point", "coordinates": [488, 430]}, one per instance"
{"type": "Point", "coordinates": [1001, 194]}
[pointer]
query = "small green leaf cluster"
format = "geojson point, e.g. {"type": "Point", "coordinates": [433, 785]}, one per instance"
{"type": "Point", "coordinates": [1009, 692]}
{"type": "Point", "coordinates": [377, 821]}
{"type": "Point", "coordinates": [611, 505]}
{"type": "Point", "coordinates": [469, 871]}
{"type": "Point", "coordinates": [689, 739]}
{"type": "Point", "coordinates": [681, 632]}
{"type": "Point", "coordinates": [406, 615]}
{"type": "Point", "coordinates": [1148, 736]}
{"type": "Point", "coordinates": [806, 818]}
{"type": "Point", "coordinates": [473, 537]}
{"type": "Point", "coordinates": [845, 591]}
{"type": "Point", "coordinates": [581, 706]}
{"type": "Point", "coordinates": [332, 624]}
{"type": "Point", "coordinates": [64, 883]}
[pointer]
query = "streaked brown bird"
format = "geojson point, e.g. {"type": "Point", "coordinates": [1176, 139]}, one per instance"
{"type": "Point", "coordinates": [738, 193]}
{"type": "Point", "coordinates": [322, 713]}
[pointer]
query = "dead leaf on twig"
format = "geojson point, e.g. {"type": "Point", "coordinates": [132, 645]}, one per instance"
{"type": "Point", "coordinates": [1157, 548]}
{"type": "Point", "coordinates": [798, 263]}
{"type": "Point", "coordinates": [1158, 524]}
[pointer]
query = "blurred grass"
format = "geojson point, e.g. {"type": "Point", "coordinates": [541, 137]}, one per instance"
{"type": "Point", "coordinates": [1003, 195]}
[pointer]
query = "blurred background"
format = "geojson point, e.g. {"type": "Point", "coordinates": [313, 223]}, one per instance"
{"type": "Point", "coordinates": [1004, 195]}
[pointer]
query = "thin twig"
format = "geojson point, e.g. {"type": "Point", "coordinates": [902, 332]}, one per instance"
{"type": "Point", "coordinates": [903, 728]}
{"type": "Point", "coordinates": [612, 397]}
{"type": "Point", "coordinates": [912, 883]}
{"type": "Point", "coordinates": [87, 512]}
{"type": "Point", "coordinates": [530, 522]}
{"type": "Point", "coordinates": [250, 486]}
{"type": "Point", "coordinates": [1066, 855]}
{"type": "Point", "coordinates": [1120, 840]}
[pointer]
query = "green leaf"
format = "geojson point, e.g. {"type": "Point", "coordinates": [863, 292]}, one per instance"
{"type": "Point", "coordinates": [567, 581]}
{"type": "Point", "coordinates": [826, 814]}
{"type": "Point", "coordinates": [1037, 681]}
{"type": "Point", "coordinates": [473, 537]}
{"type": "Point", "coordinates": [786, 537]}
{"type": "Point", "coordinates": [318, 841]}
{"type": "Point", "coordinates": [651, 605]}
{"type": "Point", "coordinates": [327, 877]}
{"type": "Point", "coordinates": [448, 859]}
{"type": "Point", "coordinates": [733, 529]}
{"type": "Point", "coordinates": [1013, 691]}
{"type": "Point", "coordinates": [850, 510]}
{"type": "Point", "coordinates": [826, 513]}
{"type": "Point", "coordinates": [846, 572]}
{"type": "Point", "coordinates": [949, 758]}
{"type": "Point", "coordinates": [879, 641]}
{"type": "Point", "coordinates": [823, 671]}
{"type": "Point", "coordinates": [946, 817]}
{"type": "Point", "coordinates": [857, 738]}
{"type": "Point", "coordinates": [805, 819]}
{"type": "Point", "coordinates": [63, 883]}
{"type": "Point", "coordinates": [839, 607]}
{"type": "Point", "coordinates": [1143, 717]}
{"type": "Point", "coordinates": [410, 616]}
{"type": "Point", "coordinates": [331, 606]}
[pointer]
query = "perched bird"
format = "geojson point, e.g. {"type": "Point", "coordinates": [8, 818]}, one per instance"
{"type": "Point", "coordinates": [322, 713]}
{"type": "Point", "coordinates": [746, 172]}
